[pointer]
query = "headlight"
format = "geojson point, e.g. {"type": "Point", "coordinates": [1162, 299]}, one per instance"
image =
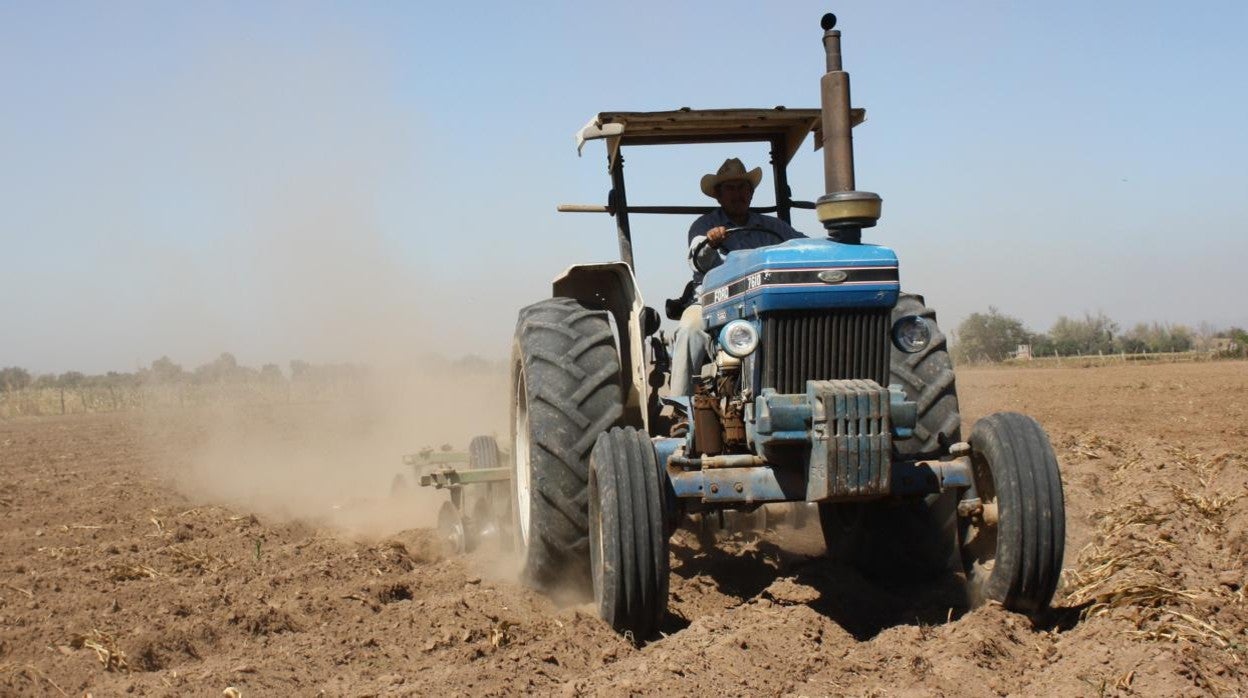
{"type": "Point", "coordinates": [912, 334]}
{"type": "Point", "coordinates": [738, 338]}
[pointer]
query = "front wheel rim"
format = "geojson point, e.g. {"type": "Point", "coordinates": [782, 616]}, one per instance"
{"type": "Point", "coordinates": [523, 468]}
{"type": "Point", "coordinates": [979, 537]}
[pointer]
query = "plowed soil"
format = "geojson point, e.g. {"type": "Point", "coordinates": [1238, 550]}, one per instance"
{"type": "Point", "coordinates": [139, 554]}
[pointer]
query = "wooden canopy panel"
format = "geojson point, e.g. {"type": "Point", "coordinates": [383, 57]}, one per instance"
{"type": "Point", "coordinates": [789, 126]}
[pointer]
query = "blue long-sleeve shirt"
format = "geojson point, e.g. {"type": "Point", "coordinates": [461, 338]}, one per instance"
{"type": "Point", "coordinates": [745, 240]}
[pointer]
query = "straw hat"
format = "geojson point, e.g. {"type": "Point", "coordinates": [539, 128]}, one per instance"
{"type": "Point", "coordinates": [732, 169]}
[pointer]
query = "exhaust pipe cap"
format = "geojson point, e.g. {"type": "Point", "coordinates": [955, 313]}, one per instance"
{"type": "Point", "coordinates": [848, 209]}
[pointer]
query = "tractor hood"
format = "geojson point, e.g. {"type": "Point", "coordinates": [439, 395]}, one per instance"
{"type": "Point", "coordinates": [803, 274]}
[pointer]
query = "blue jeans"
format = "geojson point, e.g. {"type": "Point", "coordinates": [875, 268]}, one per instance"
{"type": "Point", "coordinates": [691, 350]}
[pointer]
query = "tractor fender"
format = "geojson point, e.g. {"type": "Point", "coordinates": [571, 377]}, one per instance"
{"type": "Point", "coordinates": [611, 286]}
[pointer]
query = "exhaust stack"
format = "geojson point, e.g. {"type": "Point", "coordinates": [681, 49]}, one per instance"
{"type": "Point", "coordinates": [843, 211]}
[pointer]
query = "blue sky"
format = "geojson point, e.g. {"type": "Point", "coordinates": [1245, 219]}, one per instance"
{"type": "Point", "coordinates": [338, 181]}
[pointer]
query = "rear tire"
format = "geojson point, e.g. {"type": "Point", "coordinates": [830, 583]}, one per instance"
{"type": "Point", "coordinates": [565, 393]}
{"type": "Point", "coordinates": [928, 379]}
{"type": "Point", "coordinates": [628, 542]}
{"type": "Point", "coordinates": [1017, 562]}
{"type": "Point", "coordinates": [916, 537]}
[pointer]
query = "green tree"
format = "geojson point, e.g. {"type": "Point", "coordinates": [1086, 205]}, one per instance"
{"type": "Point", "coordinates": [990, 336]}
{"type": "Point", "coordinates": [1155, 337]}
{"type": "Point", "coordinates": [72, 380]}
{"type": "Point", "coordinates": [164, 370]}
{"type": "Point", "coordinates": [1042, 345]}
{"type": "Point", "coordinates": [299, 369]}
{"type": "Point", "coordinates": [1238, 345]}
{"type": "Point", "coordinates": [14, 378]}
{"type": "Point", "coordinates": [1181, 338]}
{"type": "Point", "coordinates": [1094, 334]}
{"type": "Point", "coordinates": [1134, 340]}
{"type": "Point", "coordinates": [223, 369]}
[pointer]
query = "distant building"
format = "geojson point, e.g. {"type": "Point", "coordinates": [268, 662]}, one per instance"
{"type": "Point", "coordinates": [1022, 353]}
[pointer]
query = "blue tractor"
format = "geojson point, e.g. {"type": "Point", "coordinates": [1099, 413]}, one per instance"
{"type": "Point", "coordinates": [829, 386]}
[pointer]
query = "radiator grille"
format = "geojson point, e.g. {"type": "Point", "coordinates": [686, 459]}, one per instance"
{"type": "Point", "coordinates": [824, 345]}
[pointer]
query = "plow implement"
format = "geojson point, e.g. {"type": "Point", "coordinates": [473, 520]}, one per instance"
{"type": "Point", "coordinates": [473, 514]}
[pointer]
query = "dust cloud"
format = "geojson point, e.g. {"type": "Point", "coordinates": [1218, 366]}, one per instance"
{"type": "Point", "coordinates": [333, 461]}
{"type": "Point", "coordinates": [299, 151]}
{"type": "Point", "coordinates": [329, 289]}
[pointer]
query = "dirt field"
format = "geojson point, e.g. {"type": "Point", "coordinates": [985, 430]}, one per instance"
{"type": "Point", "coordinates": [127, 566]}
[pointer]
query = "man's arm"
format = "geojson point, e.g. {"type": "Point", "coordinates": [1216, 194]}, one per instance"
{"type": "Point", "coordinates": [702, 241]}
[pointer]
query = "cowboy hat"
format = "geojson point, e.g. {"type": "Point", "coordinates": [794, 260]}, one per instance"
{"type": "Point", "coordinates": [732, 169]}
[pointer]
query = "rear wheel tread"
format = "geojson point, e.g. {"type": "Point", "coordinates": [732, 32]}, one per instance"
{"type": "Point", "coordinates": [929, 380]}
{"type": "Point", "coordinates": [563, 362]}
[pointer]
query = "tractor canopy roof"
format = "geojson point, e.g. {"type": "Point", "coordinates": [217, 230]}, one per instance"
{"type": "Point", "coordinates": [783, 127]}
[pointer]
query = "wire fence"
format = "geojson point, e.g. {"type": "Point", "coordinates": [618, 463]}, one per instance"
{"type": "Point", "coordinates": [1119, 359]}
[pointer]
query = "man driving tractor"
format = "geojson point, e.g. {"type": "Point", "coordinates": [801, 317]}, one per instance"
{"type": "Point", "coordinates": [709, 241]}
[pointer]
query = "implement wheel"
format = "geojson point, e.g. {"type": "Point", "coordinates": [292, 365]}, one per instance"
{"type": "Point", "coordinates": [455, 536]}
{"type": "Point", "coordinates": [1012, 552]}
{"type": "Point", "coordinates": [491, 511]}
{"type": "Point", "coordinates": [628, 549]}
{"type": "Point", "coordinates": [565, 377]}
{"type": "Point", "coordinates": [483, 452]}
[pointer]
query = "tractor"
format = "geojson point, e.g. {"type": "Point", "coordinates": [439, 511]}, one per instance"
{"type": "Point", "coordinates": [828, 386]}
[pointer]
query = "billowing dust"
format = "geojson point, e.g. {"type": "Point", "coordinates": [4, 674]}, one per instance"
{"type": "Point", "coordinates": [334, 461]}
{"type": "Point", "coordinates": [302, 267]}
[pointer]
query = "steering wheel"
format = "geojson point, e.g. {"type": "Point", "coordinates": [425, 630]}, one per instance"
{"type": "Point", "coordinates": [697, 251]}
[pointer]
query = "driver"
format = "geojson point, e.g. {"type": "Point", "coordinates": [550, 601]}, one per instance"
{"type": "Point", "coordinates": [733, 187]}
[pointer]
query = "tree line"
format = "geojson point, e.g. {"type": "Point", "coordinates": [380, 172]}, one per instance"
{"type": "Point", "coordinates": [220, 381]}
{"type": "Point", "coordinates": [995, 336]}
{"type": "Point", "coordinates": [164, 382]}
{"type": "Point", "coordinates": [225, 369]}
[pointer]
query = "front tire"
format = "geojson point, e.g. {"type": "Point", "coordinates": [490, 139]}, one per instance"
{"type": "Point", "coordinates": [565, 392]}
{"type": "Point", "coordinates": [628, 542]}
{"type": "Point", "coordinates": [1017, 561]}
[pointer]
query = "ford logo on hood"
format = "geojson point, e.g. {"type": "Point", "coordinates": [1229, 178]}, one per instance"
{"type": "Point", "coordinates": [832, 276]}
